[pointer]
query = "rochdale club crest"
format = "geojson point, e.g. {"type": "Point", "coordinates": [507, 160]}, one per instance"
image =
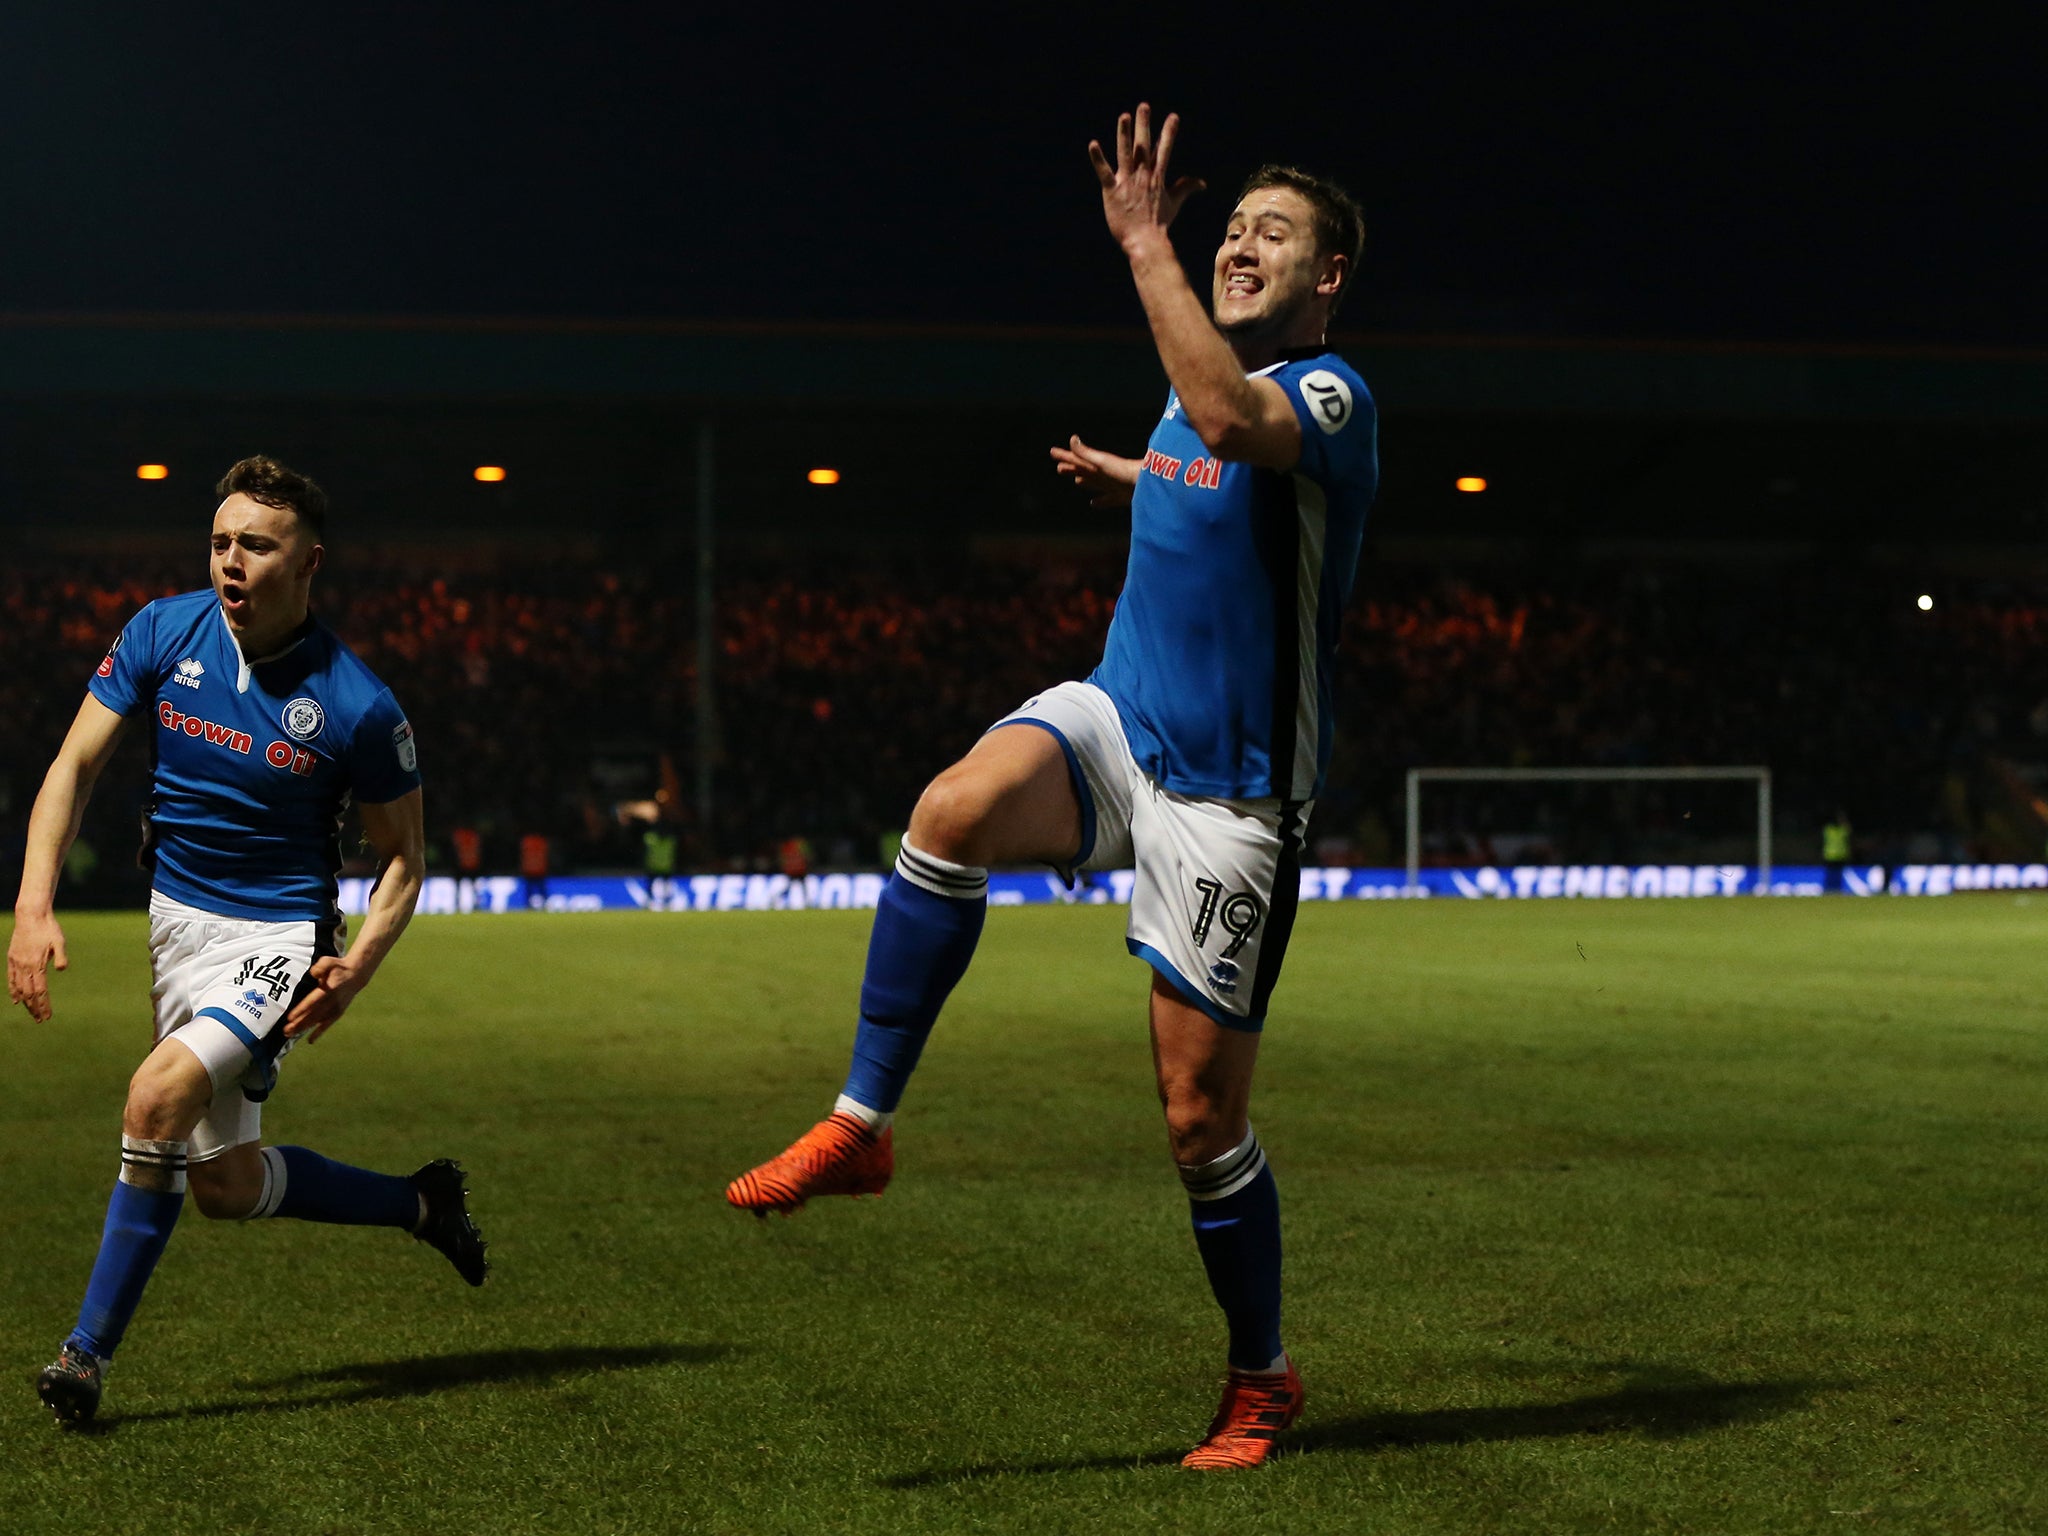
{"type": "Point", "coordinates": [303, 719]}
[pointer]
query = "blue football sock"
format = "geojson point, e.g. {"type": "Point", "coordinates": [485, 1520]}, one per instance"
{"type": "Point", "coordinates": [1236, 1209]}
{"type": "Point", "coordinates": [926, 926]}
{"type": "Point", "coordinates": [139, 1223]}
{"type": "Point", "coordinates": [319, 1189]}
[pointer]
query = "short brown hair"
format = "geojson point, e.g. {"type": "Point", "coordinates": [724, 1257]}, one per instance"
{"type": "Point", "coordinates": [1338, 220]}
{"type": "Point", "coordinates": [261, 478]}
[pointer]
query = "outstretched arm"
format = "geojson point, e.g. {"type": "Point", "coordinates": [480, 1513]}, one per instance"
{"type": "Point", "coordinates": [1240, 419]}
{"type": "Point", "coordinates": [1107, 479]}
{"type": "Point", "coordinates": [397, 831]}
{"type": "Point", "coordinates": [38, 941]}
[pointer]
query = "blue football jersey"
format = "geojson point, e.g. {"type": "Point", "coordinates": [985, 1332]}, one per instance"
{"type": "Point", "coordinates": [252, 763]}
{"type": "Point", "coordinates": [1220, 653]}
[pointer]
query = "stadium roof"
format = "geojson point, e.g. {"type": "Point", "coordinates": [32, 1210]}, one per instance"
{"type": "Point", "coordinates": [372, 358]}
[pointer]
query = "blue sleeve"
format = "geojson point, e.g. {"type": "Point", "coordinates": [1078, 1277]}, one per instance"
{"type": "Point", "coordinates": [127, 679]}
{"type": "Point", "coordinates": [1339, 426]}
{"type": "Point", "coordinates": [382, 763]}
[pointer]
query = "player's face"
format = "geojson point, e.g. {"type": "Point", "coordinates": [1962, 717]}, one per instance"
{"type": "Point", "coordinates": [262, 566]}
{"type": "Point", "coordinates": [1268, 268]}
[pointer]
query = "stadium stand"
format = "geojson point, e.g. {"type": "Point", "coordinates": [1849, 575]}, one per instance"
{"type": "Point", "coordinates": [558, 699]}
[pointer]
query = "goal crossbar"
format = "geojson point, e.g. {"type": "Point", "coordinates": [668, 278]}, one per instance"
{"type": "Point", "coordinates": [1417, 777]}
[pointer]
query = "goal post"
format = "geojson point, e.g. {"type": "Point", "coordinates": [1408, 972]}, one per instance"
{"type": "Point", "coordinates": [1417, 777]}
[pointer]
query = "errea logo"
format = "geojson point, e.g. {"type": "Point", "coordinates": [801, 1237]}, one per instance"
{"type": "Point", "coordinates": [188, 673]}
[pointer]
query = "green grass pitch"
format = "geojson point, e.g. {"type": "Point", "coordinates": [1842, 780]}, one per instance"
{"type": "Point", "coordinates": [1602, 1216]}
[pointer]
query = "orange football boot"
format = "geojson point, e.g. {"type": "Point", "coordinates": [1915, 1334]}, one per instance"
{"type": "Point", "coordinates": [837, 1156]}
{"type": "Point", "coordinates": [1256, 1409]}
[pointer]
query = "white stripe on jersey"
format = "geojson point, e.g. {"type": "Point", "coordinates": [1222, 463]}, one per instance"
{"type": "Point", "coordinates": [1312, 510]}
{"type": "Point", "coordinates": [245, 666]}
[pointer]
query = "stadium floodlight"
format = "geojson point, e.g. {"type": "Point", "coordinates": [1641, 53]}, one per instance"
{"type": "Point", "coordinates": [1472, 485]}
{"type": "Point", "coordinates": [1925, 604]}
{"type": "Point", "coordinates": [489, 474]}
{"type": "Point", "coordinates": [823, 477]}
{"type": "Point", "coordinates": [152, 471]}
{"type": "Point", "coordinates": [1760, 776]}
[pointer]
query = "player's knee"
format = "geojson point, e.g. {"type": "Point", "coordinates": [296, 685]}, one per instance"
{"type": "Point", "coordinates": [951, 819]}
{"type": "Point", "coordinates": [1197, 1127]}
{"type": "Point", "coordinates": [219, 1195]}
{"type": "Point", "coordinates": [152, 1115]}
{"type": "Point", "coordinates": [163, 1104]}
{"type": "Point", "coordinates": [156, 1109]}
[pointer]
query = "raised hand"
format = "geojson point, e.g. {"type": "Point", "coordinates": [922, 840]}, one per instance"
{"type": "Point", "coordinates": [1107, 479]}
{"type": "Point", "coordinates": [1138, 198]}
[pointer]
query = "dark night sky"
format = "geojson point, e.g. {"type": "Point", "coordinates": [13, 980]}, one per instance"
{"type": "Point", "coordinates": [1688, 170]}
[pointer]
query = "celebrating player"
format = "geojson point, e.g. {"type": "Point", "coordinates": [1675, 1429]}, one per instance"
{"type": "Point", "coordinates": [262, 727]}
{"type": "Point", "coordinates": [1196, 749]}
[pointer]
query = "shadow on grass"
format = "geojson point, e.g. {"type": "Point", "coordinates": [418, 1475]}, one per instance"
{"type": "Point", "coordinates": [1662, 1403]}
{"type": "Point", "coordinates": [383, 1380]}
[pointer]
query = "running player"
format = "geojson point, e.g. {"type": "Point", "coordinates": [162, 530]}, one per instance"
{"type": "Point", "coordinates": [1196, 749]}
{"type": "Point", "coordinates": [263, 726]}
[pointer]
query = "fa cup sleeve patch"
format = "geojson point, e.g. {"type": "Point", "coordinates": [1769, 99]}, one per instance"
{"type": "Point", "coordinates": [402, 743]}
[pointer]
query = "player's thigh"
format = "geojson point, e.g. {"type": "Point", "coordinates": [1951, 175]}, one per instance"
{"type": "Point", "coordinates": [171, 1082]}
{"type": "Point", "coordinates": [223, 989]}
{"type": "Point", "coordinates": [1007, 801]}
{"type": "Point", "coordinates": [1213, 903]}
{"type": "Point", "coordinates": [179, 964]}
{"type": "Point", "coordinates": [1011, 799]}
{"type": "Point", "coordinates": [168, 1095]}
{"type": "Point", "coordinates": [1092, 819]}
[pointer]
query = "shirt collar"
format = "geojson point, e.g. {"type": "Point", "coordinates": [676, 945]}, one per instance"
{"type": "Point", "coordinates": [245, 664]}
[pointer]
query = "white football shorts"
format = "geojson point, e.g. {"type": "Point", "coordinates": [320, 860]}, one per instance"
{"type": "Point", "coordinates": [223, 986]}
{"type": "Point", "coordinates": [1217, 880]}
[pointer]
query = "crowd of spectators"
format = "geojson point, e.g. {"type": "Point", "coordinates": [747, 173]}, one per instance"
{"type": "Point", "coordinates": [1926, 726]}
{"type": "Point", "coordinates": [560, 702]}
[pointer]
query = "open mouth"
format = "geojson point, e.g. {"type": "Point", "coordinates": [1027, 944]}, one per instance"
{"type": "Point", "coordinates": [234, 597]}
{"type": "Point", "coordinates": [1242, 285]}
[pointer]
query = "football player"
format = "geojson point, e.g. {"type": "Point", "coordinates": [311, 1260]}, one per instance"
{"type": "Point", "coordinates": [1195, 751]}
{"type": "Point", "coordinates": [263, 728]}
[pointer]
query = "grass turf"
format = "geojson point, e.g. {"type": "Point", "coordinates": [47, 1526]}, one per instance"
{"type": "Point", "coordinates": [1630, 1216]}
